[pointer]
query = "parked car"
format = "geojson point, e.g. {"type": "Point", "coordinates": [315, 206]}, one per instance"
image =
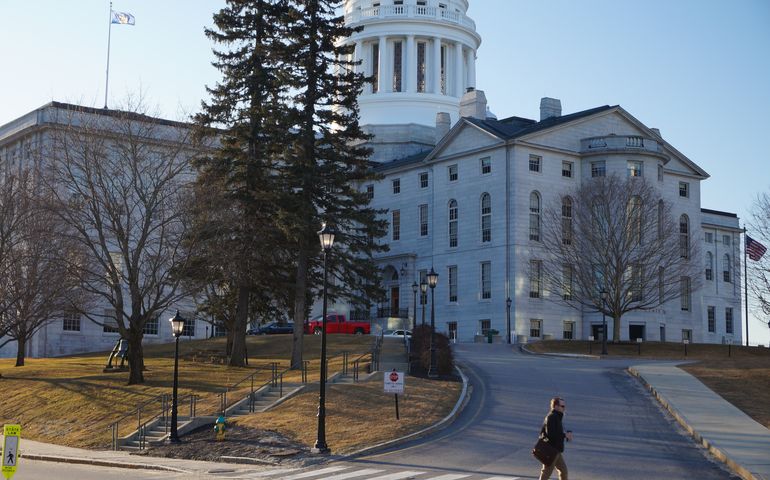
{"type": "Point", "coordinates": [397, 333]}
{"type": "Point", "coordinates": [272, 328]}
{"type": "Point", "coordinates": [337, 323]}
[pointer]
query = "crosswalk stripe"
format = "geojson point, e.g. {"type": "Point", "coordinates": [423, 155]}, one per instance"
{"type": "Point", "coordinates": [357, 473]}
{"type": "Point", "coordinates": [397, 476]}
{"type": "Point", "coordinates": [449, 476]}
{"type": "Point", "coordinates": [502, 478]}
{"type": "Point", "coordinates": [314, 473]}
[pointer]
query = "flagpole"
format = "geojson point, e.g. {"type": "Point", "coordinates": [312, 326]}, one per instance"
{"type": "Point", "coordinates": [746, 283]}
{"type": "Point", "coordinates": [107, 77]}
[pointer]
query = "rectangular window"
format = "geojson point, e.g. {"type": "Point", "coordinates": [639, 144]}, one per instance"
{"type": "Point", "coordinates": [397, 67]}
{"type": "Point", "coordinates": [534, 163]}
{"type": "Point", "coordinates": [423, 220]}
{"type": "Point", "coordinates": [709, 237]}
{"type": "Point", "coordinates": [684, 189]}
{"type": "Point", "coordinates": [567, 282]}
{"type": "Point", "coordinates": [452, 173]}
{"type": "Point", "coordinates": [151, 326]}
{"type": "Point", "coordinates": [396, 186]}
{"type": "Point", "coordinates": [726, 240]}
{"type": "Point", "coordinates": [421, 65]}
{"type": "Point", "coordinates": [660, 173]}
{"type": "Point", "coordinates": [110, 322]}
{"type": "Point", "coordinates": [71, 322]}
{"type": "Point", "coordinates": [686, 335]}
{"type": "Point", "coordinates": [712, 319]}
{"type": "Point", "coordinates": [534, 328]}
{"type": "Point", "coordinates": [566, 169]}
{"type": "Point", "coordinates": [486, 165]}
{"type": "Point", "coordinates": [424, 280]}
{"type": "Point", "coordinates": [375, 66]}
{"type": "Point", "coordinates": [535, 279]}
{"type": "Point", "coordinates": [453, 224]}
{"type": "Point", "coordinates": [598, 169]}
{"type": "Point", "coordinates": [485, 325]}
{"type": "Point", "coordinates": [189, 325]}
{"type": "Point", "coordinates": [443, 69]}
{"type": "Point", "coordinates": [569, 330]}
{"type": "Point", "coordinates": [685, 293]}
{"type": "Point", "coordinates": [486, 280]}
{"type": "Point", "coordinates": [370, 192]}
{"type": "Point", "coordinates": [452, 283]}
{"type": "Point", "coordinates": [452, 328]}
{"type": "Point", "coordinates": [634, 168]}
{"type": "Point", "coordinates": [395, 225]}
{"type": "Point", "coordinates": [424, 180]}
{"type": "Point", "coordinates": [729, 320]}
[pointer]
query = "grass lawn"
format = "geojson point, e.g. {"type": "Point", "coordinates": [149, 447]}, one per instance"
{"type": "Point", "coordinates": [69, 401]}
{"type": "Point", "coordinates": [741, 375]}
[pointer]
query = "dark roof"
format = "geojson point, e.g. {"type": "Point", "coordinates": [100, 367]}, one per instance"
{"type": "Point", "coordinates": [116, 113]}
{"type": "Point", "coordinates": [513, 127]}
{"type": "Point", "coordinates": [399, 162]}
{"type": "Point", "coordinates": [717, 212]}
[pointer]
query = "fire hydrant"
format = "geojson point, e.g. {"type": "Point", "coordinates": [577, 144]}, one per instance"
{"type": "Point", "coordinates": [219, 428]}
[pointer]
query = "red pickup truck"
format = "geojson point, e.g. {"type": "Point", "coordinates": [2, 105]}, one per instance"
{"type": "Point", "coordinates": [336, 323]}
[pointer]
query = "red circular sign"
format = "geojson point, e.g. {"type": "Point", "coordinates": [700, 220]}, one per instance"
{"type": "Point", "coordinates": [393, 376]}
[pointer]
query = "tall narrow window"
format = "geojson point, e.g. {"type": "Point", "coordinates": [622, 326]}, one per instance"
{"type": "Point", "coordinates": [634, 168]}
{"type": "Point", "coordinates": [566, 221]}
{"type": "Point", "coordinates": [424, 180]}
{"type": "Point", "coordinates": [486, 165]}
{"type": "Point", "coordinates": [534, 217]}
{"type": "Point", "coordinates": [395, 224]}
{"type": "Point", "coordinates": [423, 220]}
{"type": "Point", "coordinates": [684, 236]}
{"type": "Point", "coordinates": [636, 282]}
{"type": "Point", "coordinates": [370, 191]}
{"type": "Point", "coordinates": [685, 293]}
{"type": "Point", "coordinates": [397, 66]}
{"type": "Point", "coordinates": [443, 69]}
{"type": "Point", "coordinates": [375, 67]}
{"type": "Point", "coordinates": [709, 266]}
{"type": "Point", "coordinates": [569, 329]}
{"type": "Point", "coordinates": [634, 219]}
{"type": "Point", "coordinates": [421, 66]}
{"type": "Point", "coordinates": [535, 327]}
{"type": "Point", "coordinates": [567, 282]}
{"type": "Point", "coordinates": [534, 163]}
{"type": "Point", "coordinates": [729, 320]}
{"type": "Point", "coordinates": [684, 189]}
{"type": "Point", "coordinates": [712, 319]}
{"type": "Point", "coordinates": [566, 169]}
{"type": "Point", "coordinates": [453, 214]}
{"type": "Point", "coordinates": [452, 283]}
{"type": "Point", "coordinates": [486, 218]}
{"type": "Point", "coordinates": [726, 271]}
{"type": "Point", "coordinates": [598, 168]}
{"type": "Point", "coordinates": [661, 276]}
{"type": "Point", "coordinates": [661, 214]}
{"type": "Point", "coordinates": [726, 240]}
{"type": "Point", "coordinates": [535, 278]}
{"type": "Point", "coordinates": [396, 182]}
{"type": "Point", "coordinates": [452, 173]}
{"type": "Point", "coordinates": [486, 280]}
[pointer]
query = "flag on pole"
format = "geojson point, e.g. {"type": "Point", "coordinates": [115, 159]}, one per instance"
{"type": "Point", "coordinates": [754, 249]}
{"type": "Point", "coordinates": [123, 18]}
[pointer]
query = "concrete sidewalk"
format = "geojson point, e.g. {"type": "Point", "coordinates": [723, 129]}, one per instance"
{"type": "Point", "coordinates": [728, 433]}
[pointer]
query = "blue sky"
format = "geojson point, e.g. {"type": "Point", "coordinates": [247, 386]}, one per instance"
{"type": "Point", "coordinates": [699, 70]}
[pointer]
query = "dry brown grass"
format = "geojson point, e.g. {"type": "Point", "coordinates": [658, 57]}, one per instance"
{"type": "Point", "coordinates": [741, 375]}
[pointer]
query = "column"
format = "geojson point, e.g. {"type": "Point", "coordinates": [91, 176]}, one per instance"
{"type": "Point", "coordinates": [410, 65]}
{"type": "Point", "coordinates": [472, 68]}
{"type": "Point", "coordinates": [383, 84]}
{"type": "Point", "coordinates": [357, 57]}
{"type": "Point", "coordinates": [459, 70]}
{"type": "Point", "coordinates": [436, 65]}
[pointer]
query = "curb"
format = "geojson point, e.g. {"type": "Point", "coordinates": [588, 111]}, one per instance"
{"type": "Point", "coordinates": [524, 349]}
{"type": "Point", "coordinates": [101, 463]}
{"type": "Point", "coordinates": [682, 420]}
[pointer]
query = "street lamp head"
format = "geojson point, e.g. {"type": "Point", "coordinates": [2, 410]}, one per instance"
{"type": "Point", "coordinates": [508, 302]}
{"type": "Point", "coordinates": [414, 288]}
{"type": "Point", "coordinates": [604, 295]}
{"type": "Point", "coordinates": [432, 278]}
{"type": "Point", "coordinates": [423, 287]}
{"type": "Point", "coordinates": [177, 324]}
{"type": "Point", "coordinates": [326, 236]}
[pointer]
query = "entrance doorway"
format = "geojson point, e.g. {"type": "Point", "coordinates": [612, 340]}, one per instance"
{"type": "Point", "coordinates": [596, 331]}
{"type": "Point", "coordinates": [662, 333]}
{"type": "Point", "coordinates": [635, 331]}
{"type": "Point", "coordinates": [394, 301]}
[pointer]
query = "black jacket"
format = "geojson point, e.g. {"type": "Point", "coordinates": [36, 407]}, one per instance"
{"type": "Point", "coordinates": [553, 430]}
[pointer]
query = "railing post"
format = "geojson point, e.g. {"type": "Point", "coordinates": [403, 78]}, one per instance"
{"type": "Point", "coordinates": [280, 391]}
{"type": "Point", "coordinates": [305, 364]}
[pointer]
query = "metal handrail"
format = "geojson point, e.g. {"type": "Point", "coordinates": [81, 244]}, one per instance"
{"type": "Point", "coordinates": [165, 407]}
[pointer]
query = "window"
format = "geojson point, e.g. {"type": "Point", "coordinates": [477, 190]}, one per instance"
{"type": "Point", "coordinates": [634, 168]}
{"type": "Point", "coordinates": [709, 237]}
{"type": "Point", "coordinates": [443, 63]}
{"type": "Point", "coordinates": [397, 67]}
{"type": "Point", "coordinates": [110, 322]}
{"type": "Point", "coordinates": [452, 328]}
{"type": "Point", "coordinates": [712, 319]}
{"type": "Point", "coordinates": [151, 326]}
{"type": "Point", "coordinates": [370, 191]}
{"type": "Point", "coordinates": [685, 293]}
{"type": "Point", "coordinates": [686, 335]}
{"type": "Point", "coordinates": [684, 189]}
{"type": "Point", "coordinates": [71, 322]}
{"type": "Point", "coordinates": [423, 220]}
{"type": "Point", "coordinates": [634, 219]}
{"type": "Point", "coordinates": [486, 165]}
{"type": "Point", "coordinates": [486, 280]}
{"type": "Point", "coordinates": [637, 274]}
{"type": "Point", "coordinates": [534, 163]}
{"type": "Point", "coordinates": [661, 216]}
{"type": "Point", "coordinates": [452, 283]}
{"type": "Point", "coordinates": [726, 276]}
{"type": "Point", "coordinates": [486, 218]}
{"type": "Point", "coordinates": [569, 330]}
{"type": "Point", "coordinates": [660, 173]}
{"type": "Point", "coordinates": [661, 276]}
{"type": "Point", "coordinates": [375, 61]}
{"type": "Point", "coordinates": [709, 266]}
{"type": "Point", "coordinates": [534, 217]}
{"type": "Point", "coordinates": [395, 225]}
{"type": "Point", "coordinates": [566, 169]}
{"type": "Point", "coordinates": [729, 320]}
{"type": "Point", "coordinates": [684, 236]}
{"type": "Point", "coordinates": [534, 328]}
{"type": "Point", "coordinates": [453, 214]}
{"type": "Point", "coordinates": [396, 186]}
{"type": "Point", "coordinates": [452, 173]}
{"type": "Point", "coordinates": [424, 180]}
{"type": "Point", "coordinates": [598, 169]}
{"type": "Point", "coordinates": [567, 282]}
{"type": "Point", "coordinates": [485, 325]}
{"type": "Point", "coordinates": [566, 221]}
{"type": "Point", "coordinates": [421, 46]}
{"type": "Point", "coordinates": [423, 279]}
{"type": "Point", "coordinates": [535, 278]}
{"type": "Point", "coordinates": [189, 325]}
{"type": "Point", "coordinates": [726, 239]}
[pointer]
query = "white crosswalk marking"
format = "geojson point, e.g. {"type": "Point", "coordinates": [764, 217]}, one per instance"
{"type": "Point", "coordinates": [449, 476]}
{"type": "Point", "coordinates": [314, 473]}
{"type": "Point", "coordinates": [398, 476]}
{"type": "Point", "coordinates": [502, 478]}
{"type": "Point", "coordinates": [357, 473]}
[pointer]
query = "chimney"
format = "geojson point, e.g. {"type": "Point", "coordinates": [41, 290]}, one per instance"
{"type": "Point", "coordinates": [442, 125]}
{"type": "Point", "coordinates": [549, 107]}
{"type": "Point", "coordinates": [474, 104]}
{"type": "Point", "coordinates": [657, 131]}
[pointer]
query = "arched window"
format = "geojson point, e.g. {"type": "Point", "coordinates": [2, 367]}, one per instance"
{"type": "Point", "coordinates": [684, 237]}
{"type": "Point", "coordinates": [726, 271]}
{"type": "Point", "coordinates": [566, 221]}
{"type": "Point", "coordinates": [709, 266]}
{"type": "Point", "coordinates": [453, 223]}
{"type": "Point", "coordinates": [534, 216]}
{"type": "Point", "coordinates": [486, 218]}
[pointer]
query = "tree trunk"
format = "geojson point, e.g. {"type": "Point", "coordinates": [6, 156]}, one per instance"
{"type": "Point", "coordinates": [238, 353]}
{"type": "Point", "coordinates": [21, 351]}
{"type": "Point", "coordinates": [300, 293]}
{"type": "Point", "coordinates": [135, 357]}
{"type": "Point", "coordinates": [615, 329]}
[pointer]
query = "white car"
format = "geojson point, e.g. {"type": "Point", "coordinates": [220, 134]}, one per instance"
{"type": "Point", "coordinates": [397, 333]}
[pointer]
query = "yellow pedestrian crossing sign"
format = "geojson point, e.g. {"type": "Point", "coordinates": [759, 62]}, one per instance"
{"type": "Point", "coordinates": [11, 435]}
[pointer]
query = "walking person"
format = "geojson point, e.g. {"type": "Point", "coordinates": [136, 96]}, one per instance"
{"type": "Point", "coordinates": [554, 431]}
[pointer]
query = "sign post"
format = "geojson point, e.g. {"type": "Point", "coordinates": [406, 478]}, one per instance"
{"type": "Point", "coordinates": [394, 383]}
{"type": "Point", "coordinates": [11, 434]}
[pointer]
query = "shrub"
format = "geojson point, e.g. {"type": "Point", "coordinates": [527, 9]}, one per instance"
{"type": "Point", "coordinates": [420, 351]}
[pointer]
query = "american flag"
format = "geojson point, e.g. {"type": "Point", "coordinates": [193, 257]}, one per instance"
{"type": "Point", "coordinates": [754, 249]}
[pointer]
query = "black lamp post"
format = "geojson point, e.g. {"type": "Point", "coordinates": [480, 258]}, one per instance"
{"type": "Point", "coordinates": [414, 306]}
{"type": "Point", "coordinates": [424, 290]}
{"type": "Point", "coordinates": [508, 303]}
{"type": "Point", "coordinates": [177, 325]}
{"type": "Point", "coordinates": [326, 236]}
{"type": "Point", "coordinates": [432, 281]}
{"type": "Point", "coordinates": [604, 322]}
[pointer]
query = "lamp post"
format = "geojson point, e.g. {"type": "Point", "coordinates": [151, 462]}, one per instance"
{"type": "Point", "coordinates": [508, 303]}
{"type": "Point", "coordinates": [414, 305]}
{"type": "Point", "coordinates": [424, 290]}
{"type": "Point", "coordinates": [604, 322]}
{"type": "Point", "coordinates": [326, 236]}
{"type": "Point", "coordinates": [177, 325]}
{"type": "Point", "coordinates": [432, 281]}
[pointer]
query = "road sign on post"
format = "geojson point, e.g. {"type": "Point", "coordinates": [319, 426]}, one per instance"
{"type": "Point", "coordinates": [394, 383]}
{"type": "Point", "coordinates": [11, 434]}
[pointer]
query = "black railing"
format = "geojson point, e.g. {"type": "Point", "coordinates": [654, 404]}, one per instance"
{"type": "Point", "coordinates": [386, 312]}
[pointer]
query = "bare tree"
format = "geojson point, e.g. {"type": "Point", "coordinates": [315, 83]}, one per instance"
{"type": "Point", "coordinates": [121, 181]}
{"type": "Point", "coordinates": [619, 236]}
{"type": "Point", "coordinates": [759, 271]}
